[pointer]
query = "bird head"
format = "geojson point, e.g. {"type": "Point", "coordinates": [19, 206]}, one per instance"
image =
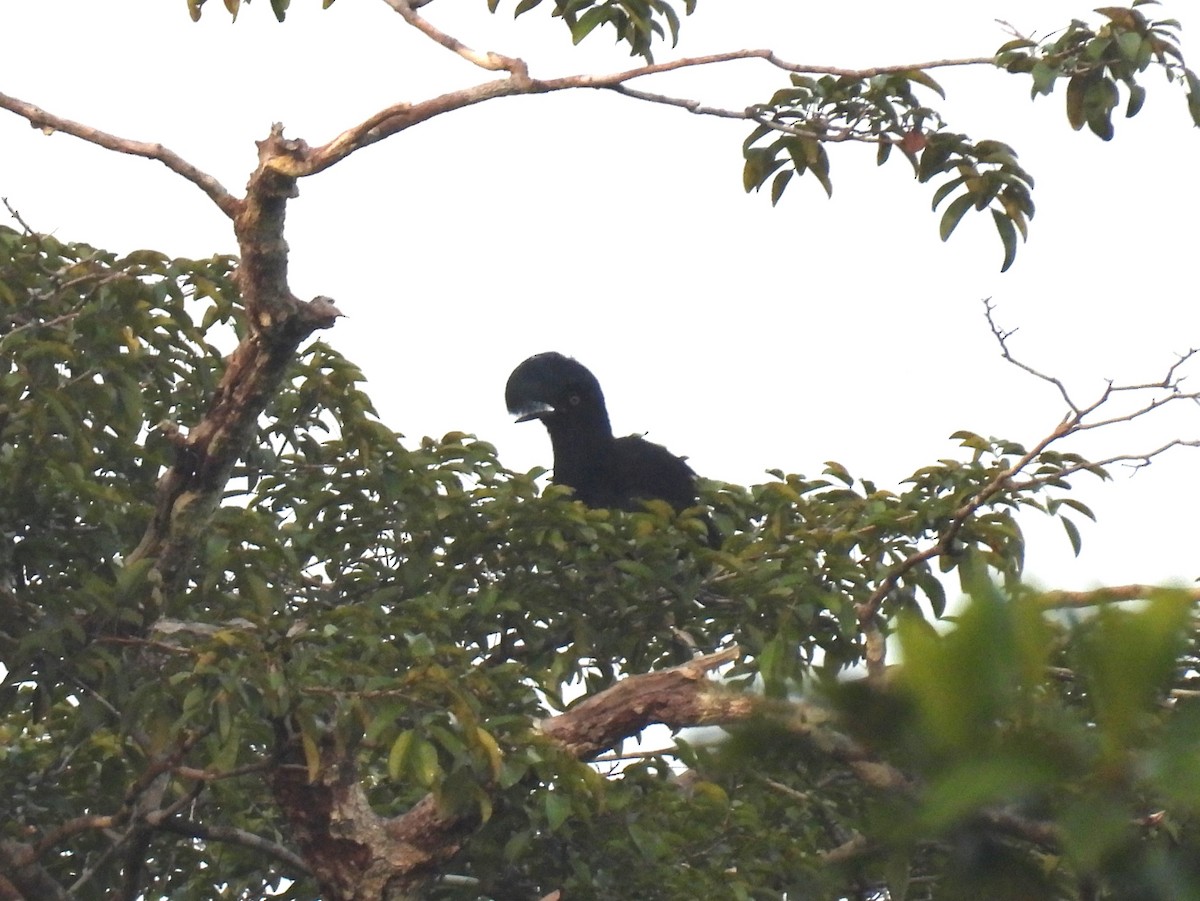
{"type": "Point", "coordinates": [554, 388]}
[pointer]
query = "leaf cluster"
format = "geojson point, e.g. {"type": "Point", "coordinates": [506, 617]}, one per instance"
{"type": "Point", "coordinates": [637, 23]}
{"type": "Point", "coordinates": [410, 611]}
{"type": "Point", "coordinates": [1049, 759]}
{"type": "Point", "coordinates": [1097, 61]}
{"type": "Point", "coordinates": [885, 110]}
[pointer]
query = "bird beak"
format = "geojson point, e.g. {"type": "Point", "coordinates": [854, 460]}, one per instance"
{"type": "Point", "coordinates": [533, 410]}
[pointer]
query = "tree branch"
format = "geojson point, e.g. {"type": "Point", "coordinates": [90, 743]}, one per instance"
{"type": "Point", "coordinates": [49, 123]}
{"type": "Point", "coordinates": [278, 321]}
{"type": "Point", "coordinates": [20, 870]}
{"type": "Point", "coordinates": [1059, 599]}
{"type": "Point", "coordinates": [401, 116]}
{"type": "Point", "coordinates": [493, 62]}
{"type": "Point", "coordinates": [1072, 423]}
{"type": "Point", "coordinates": [353, 850]}
{"type": "Point", "coordinates": [233, 836]}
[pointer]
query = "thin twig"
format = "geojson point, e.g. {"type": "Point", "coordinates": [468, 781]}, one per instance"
{"type": "Point", "coordinates": [493, 62]}
{"type": "Point", "coordinates": [29, 232]}
{"type": "Point", "coordinates": [1002, 338]}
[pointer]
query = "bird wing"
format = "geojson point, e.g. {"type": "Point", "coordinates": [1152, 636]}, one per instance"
{"type": "Point", "coordinates": [643, 470]}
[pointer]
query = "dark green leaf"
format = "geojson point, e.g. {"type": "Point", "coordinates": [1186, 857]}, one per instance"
{"type": "Point", "coordinates": [1008, 237]}
{"type": "Point", "coordinates": [954, 214]}
{"type": "Point", "coordinates": [1072, 534]}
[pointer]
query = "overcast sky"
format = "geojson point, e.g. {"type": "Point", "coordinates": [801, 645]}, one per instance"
{"type": "Point", "coordinates": [745, 337]}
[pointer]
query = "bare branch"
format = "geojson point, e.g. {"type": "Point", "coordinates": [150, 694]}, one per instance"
{"type": "Point", "coordinates": [1002, 338]}
{"type": "Point", "coordinates": [1134, 461]}
{"type": "Point", "coordinates": [29, 232]}
{"type": "Point", "coordinates": [232, 836]}
{"type": "Point", "coordinates": [1003, 481]}
{"type": "Point", "coordinates": [401, 116]}
{"type": "Point", "coordinates": [676, 697]}
{"type": "Point", "coordinates": [1059, 600]}
{"type": "Point", "coordinates": [493, 62]}
{"type": "Point", "coordinates": [72, 827]}
{"type": "Point", "coordinates": [49, 124]}
{"type": "Point", "coordinates": [692, 106]}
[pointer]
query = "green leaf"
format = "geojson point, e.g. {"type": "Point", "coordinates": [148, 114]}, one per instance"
{"type": "Point", "coordinates": [838, 471]}
{"type": "Point", "coordinates": [946, 190]}
{"type": "Point", "coordinates": [1008, 237]}
{"type": "Point", "coordinates": [1072, 535]}
{"type": "Point", "coordinates": [922, 77]}
{"type": "Point", "coordinates": [1129, 44]}
{"type": "Point", "coordinates": [1102, 97]}
{"type": "Point", "coordinates": [971, 440]}
{"type": "Point", "coordinates": [280, 7]}
{"type": "Point", "coordinates": [413, 756]}
{"type": "Point", "coordinates": [1044, 76]}
{"type": "Point", "coordinates": [557, 808]}
{"type": "Point", "coordinates": [778, 184]}
{"type": "Point", "coordinates": [585, 24]}
{"type": "Point", "coordinates": [1076, 92]}
{"type": "Point", "coordinates": [953, 214]}
{"type": "Point", "coordinates": [1127, 660]}
{"type": "Point", "coordinates": [1137, 97]}
{"type": "Point", "coordinates": [820, 168]}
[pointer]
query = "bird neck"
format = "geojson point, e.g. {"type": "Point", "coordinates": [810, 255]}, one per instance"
{"type": "Point", "coordinates": [580, 444]}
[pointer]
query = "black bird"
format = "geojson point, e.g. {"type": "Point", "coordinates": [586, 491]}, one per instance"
{"type": "Point", "coordinates": [604, 471]}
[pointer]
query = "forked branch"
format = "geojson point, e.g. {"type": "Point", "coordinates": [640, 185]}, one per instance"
{"type": "Point", "coordinates": [1166, 391]}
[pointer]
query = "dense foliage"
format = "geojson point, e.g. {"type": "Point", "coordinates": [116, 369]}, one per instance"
{"type": "Point", "coordinates": [361, 666]}
{"type": "Point", "coordinates": [418, 607]}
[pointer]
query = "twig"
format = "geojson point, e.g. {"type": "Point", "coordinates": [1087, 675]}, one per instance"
{"type": "Point", "coordinates": [493, 62]}
{"type": "Point", "coordinates": [29, 232]}
{"type": "Point", "coordinates": [1002, 338]}
{"type": "Point", "coordinates": [231, 835]}
{"type": "Point", "coordinates": [50, 123]}
{"type": "Point", "coordinates": [692, 106]}
{"type": "Point", "coordinates": [1134, 461]}
{"type": "Point", "coordinates": [187, 772]}
{"type": "Point", "coordinates": [70, 828]}
{"type": "Point", "coordinates": [634, 755]}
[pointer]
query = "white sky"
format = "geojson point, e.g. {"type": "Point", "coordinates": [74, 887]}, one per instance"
{"type": "Point", "coordinates": [744, 337]}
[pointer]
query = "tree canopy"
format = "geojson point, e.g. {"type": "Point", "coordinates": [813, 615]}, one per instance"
{"type": "Point", "coordinates": [258, 643]}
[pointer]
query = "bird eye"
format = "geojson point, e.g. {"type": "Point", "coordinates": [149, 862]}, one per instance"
{"type": "Point", "coordinates": [574, 399]}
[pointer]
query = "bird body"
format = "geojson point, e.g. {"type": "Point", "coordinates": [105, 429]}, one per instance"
{"type": "Point", "coordinates": [604, 471]}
